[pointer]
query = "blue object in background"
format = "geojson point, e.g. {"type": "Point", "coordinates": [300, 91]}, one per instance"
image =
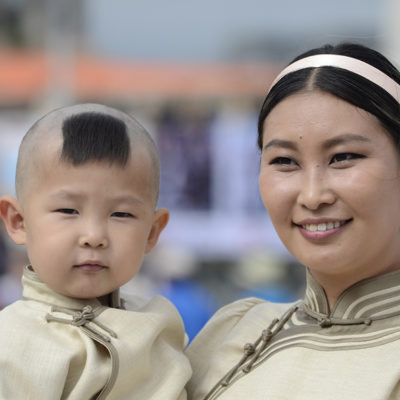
{"type": "Point", "coordinates": [195, 304]}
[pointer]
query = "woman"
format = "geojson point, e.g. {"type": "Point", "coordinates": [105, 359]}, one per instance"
{"type": "Point", "coordinates": [329, 133]}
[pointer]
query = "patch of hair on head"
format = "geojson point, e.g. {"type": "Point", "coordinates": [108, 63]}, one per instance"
{"type": "Point", "coordinates": [94, 136]}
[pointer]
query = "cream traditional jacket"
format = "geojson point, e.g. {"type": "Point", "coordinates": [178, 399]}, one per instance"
{"type": "Point", "coordinates": [55, 347]}
{"type": "Point", "coordinates": [257, 350]}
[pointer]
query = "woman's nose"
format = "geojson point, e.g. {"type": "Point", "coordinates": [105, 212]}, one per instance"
{"type": "Point", "coordinates": [315, 189]}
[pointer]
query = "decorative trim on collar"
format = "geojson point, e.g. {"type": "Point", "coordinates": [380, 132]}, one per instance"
{"type": "Point", "coordinates": [373, 298]}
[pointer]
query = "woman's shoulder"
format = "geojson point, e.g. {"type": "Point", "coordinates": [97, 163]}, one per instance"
{"type": "Point", "coordinates": [253, 305]}
{"type": "Point", "coordinates": [252, 313]}
{"type": "Point", "coordinates": [220, 343]}
{"type": "Point", "coordinates": [240, 321]}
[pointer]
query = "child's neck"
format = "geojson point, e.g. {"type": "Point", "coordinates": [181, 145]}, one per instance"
{"type": "Point", "coordinates": [105, 300]}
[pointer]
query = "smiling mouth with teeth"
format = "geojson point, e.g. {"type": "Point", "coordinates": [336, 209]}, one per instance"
{"type": "Point", "coordinates": [323, 226]}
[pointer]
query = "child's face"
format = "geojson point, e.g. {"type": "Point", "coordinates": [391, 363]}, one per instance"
{"type": "Point", "coordinates": [88, 227]}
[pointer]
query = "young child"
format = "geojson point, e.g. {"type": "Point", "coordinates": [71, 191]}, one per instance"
{"type": "Point", "coordinates": [87, 186]}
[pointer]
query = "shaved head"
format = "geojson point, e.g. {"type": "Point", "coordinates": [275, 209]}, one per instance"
{"type": "Point", "coordinates": [84, 133]}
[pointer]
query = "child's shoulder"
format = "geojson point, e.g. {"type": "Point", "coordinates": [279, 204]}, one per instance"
{"type": "Point", "coordinates": [20, 323]}
{"type": "Point", "coordinates": [133, 302]}
{"type": "Point", "coordinates": [156, 313]}
{"type": "Point", "coordinates": [16, 311]}
{"type": "Point", "coordinates": [156, 307]}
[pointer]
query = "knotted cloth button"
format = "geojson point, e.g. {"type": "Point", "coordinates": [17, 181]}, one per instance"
{"type": "Point", "coordinates": [249, 349]}
{"type": "Point", "coordinates": [84, 316]}
{"type": "Point", "coordinates": [325, 323]}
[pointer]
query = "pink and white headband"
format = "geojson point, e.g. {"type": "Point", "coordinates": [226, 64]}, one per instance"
{"type": "Point", "coordinates": [348, 63]}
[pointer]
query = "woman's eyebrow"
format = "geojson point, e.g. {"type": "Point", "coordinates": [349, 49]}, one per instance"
{"type": "Point", "coordinates": [286, 144]}
{"type": "Point", "coordinates": [348, 137]}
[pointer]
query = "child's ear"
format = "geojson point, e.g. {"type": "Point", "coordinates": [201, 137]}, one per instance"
{"type": "Point", "coordinates": [160, 221]}
{"type": "Point", "coordinates": [11, 214]}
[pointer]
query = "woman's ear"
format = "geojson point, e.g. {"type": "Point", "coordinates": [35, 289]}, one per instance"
{"type": "Point", "coordinates": [11, 214]}
{"type": "Point", "coordinates": [160, 221]}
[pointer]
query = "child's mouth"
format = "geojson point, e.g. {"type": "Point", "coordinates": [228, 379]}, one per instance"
{"type": "Point", "coordinates": [90, 267]}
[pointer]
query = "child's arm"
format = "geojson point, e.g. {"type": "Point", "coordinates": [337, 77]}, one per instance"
{"type": "Point", "coordinates": [42, 361]}
{"type": "Point", "coordinates": [28, 364]}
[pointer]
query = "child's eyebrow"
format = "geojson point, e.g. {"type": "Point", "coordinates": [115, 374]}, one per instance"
{"type": "Point", "coordinates": [128, 199]}
{"type": "Point", "coordinates": [64, 194]}
{"type": "Point", "coordinates": [67, 195]}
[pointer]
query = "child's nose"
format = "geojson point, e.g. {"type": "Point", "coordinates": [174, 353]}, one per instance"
{"type": "Point", "coordinates": [94, 236]}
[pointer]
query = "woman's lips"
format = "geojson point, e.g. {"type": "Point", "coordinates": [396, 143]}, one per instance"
{"type": "Point", "coordinates": [321, 230]}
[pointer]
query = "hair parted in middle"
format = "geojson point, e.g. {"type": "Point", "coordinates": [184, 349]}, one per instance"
{"type": "Point", "coordinates": [344, 84]}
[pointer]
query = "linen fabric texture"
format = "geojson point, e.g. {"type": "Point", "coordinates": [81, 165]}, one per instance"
{"type": "Point", "coordinates": [350, 353]}
{"type": "Point", "coordinates": [55, 347]}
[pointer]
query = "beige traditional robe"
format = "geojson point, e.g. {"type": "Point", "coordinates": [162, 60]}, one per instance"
{"type": "Point", "coordinates": [351, 353]}
{"type": "Point", "coordinates": [55, 347]}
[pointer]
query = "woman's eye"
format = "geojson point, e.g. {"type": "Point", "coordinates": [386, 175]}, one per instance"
{"type": "Point", "coordinates": [284, 161]}
{"type": "Point", "coordinates": [120, 214]}
{"type": "Point", "coordinates": [345, 157]}
{"type": "Point", "coordinates": [69, 211]}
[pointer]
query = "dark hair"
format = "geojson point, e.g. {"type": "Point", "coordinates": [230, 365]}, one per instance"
{"type": "Point", "coordinates": [342, 83]}
{"type": "Point", "coordinates": [94, 136]}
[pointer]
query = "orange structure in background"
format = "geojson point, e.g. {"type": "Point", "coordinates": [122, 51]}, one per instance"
{"type": "Point", "coordinates": [26, 76]}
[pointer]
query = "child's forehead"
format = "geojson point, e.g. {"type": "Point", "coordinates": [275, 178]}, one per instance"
{"type": "Point", "coordinates": [48, 162]}
{"type": "Point", "coordinates": [52, 176]}
{"type": "Point", "coordinates": [137, 168]}
{"type": "Point", "coordinates": [42, 148]}
{"type": "Point", "coordinates": [49, 156]}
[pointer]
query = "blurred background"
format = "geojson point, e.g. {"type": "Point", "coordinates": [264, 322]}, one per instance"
{"type": "Point", "coordinates": [194, 73]}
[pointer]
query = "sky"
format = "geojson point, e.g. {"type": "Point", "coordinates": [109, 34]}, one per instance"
{"type": "Point", "coordinates": [218, 30]}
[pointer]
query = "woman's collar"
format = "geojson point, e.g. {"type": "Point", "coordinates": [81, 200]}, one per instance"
{"type": "Point", "coordinates": [373, 298]}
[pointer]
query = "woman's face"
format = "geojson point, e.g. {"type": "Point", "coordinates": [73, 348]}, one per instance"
{"type": "Point", "coordinates": [330, 181]}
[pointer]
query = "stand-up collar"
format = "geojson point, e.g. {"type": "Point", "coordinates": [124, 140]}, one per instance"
{"type": "Point", "coordinates": [36, 289]}
{"type": "Point", "coordinates": [372, 298]}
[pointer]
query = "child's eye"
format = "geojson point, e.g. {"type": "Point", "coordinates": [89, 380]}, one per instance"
{"type": "Point", "coordinates": [341, 157]}
{"type": "Point", "coordinates": [69, 211]}
{"type": "Point", "coordinates": [120, 214]}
